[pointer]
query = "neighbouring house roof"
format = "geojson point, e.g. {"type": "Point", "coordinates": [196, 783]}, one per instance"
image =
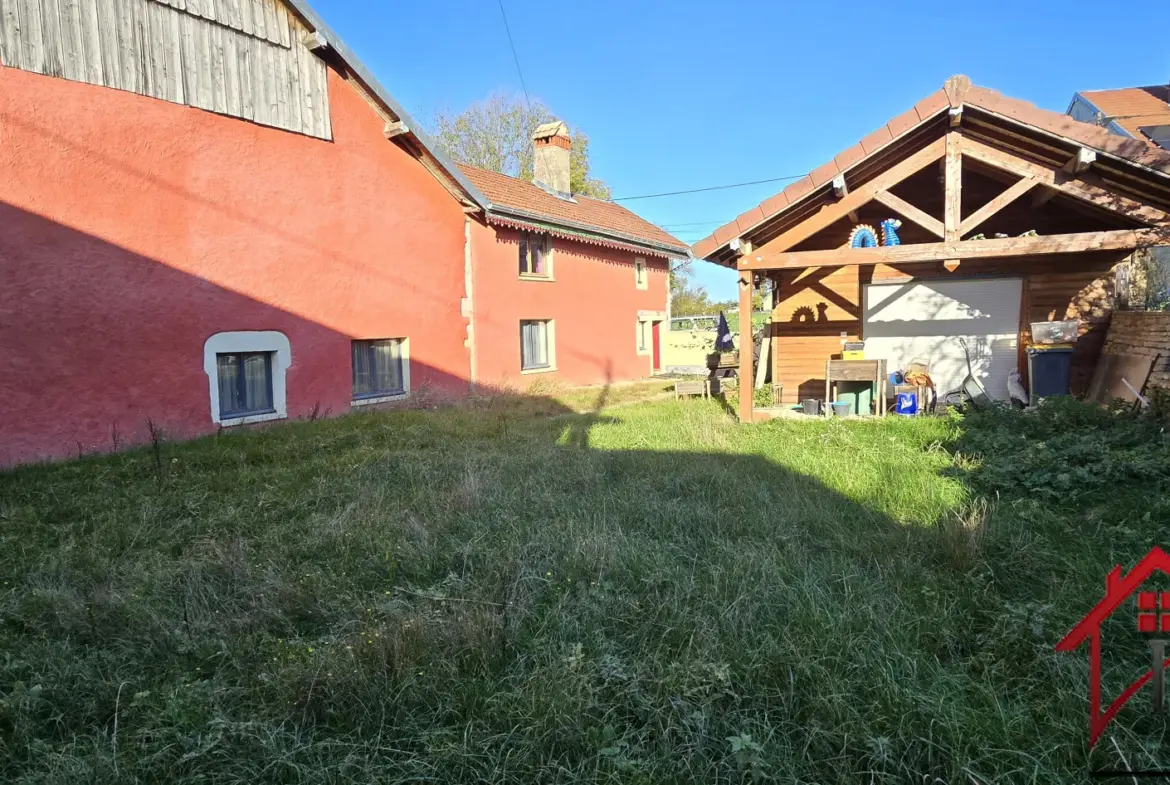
{"type": "Point", "coordinates": [518, 203]}
{"type": "Point", "coordinates": [1132, 108]}
{"type": "Point", "coordinates": [1050, 133]}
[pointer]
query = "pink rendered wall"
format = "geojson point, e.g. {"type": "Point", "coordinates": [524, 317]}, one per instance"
{"type": "Point", "coordinates": [593, 299]}
{"type": "Point", "coordinates": [132, 229]}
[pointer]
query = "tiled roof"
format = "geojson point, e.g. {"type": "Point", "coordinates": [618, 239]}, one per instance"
{"type": "Point", "coordinates": [605, 218]}
{"type": "Point", "coordinates": [1133, 107]}
{"type": "Point", "coordinates": [1022, 112]}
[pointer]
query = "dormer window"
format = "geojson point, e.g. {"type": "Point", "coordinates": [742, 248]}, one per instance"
{"type": "Point", "coordinates": [535, 255]}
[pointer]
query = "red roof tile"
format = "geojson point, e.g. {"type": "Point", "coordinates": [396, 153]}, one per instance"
{"type": "Point", "coordinates": [1133, 107]}
{"type": "Point", "coordinates": [1132, 150]}
{"type": "Point", "coordinates": [607, 218]}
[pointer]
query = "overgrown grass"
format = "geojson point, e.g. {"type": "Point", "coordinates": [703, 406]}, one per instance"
{"type": "Point", "coordinates": [647, 594]}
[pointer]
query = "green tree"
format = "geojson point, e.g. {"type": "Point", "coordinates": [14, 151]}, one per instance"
{"type": "Point", "coordinates": [496, 134]}
{"type": "Point", "coordinates": [688, 298]}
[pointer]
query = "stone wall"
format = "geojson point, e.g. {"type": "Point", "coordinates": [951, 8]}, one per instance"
{"type": "Point", "coordinates": [1144, 333]}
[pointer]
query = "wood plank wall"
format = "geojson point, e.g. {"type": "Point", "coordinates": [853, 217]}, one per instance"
{"type": "Point", "coordinates": [242, 58]}
{"type": "Point", "coordinates": [813, 307]}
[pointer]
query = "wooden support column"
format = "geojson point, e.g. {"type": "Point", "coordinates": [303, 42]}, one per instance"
{"type": "Point", "coordinates": [746, 348]}
{"type": "Point", "coordinates": [773, 337]}
{"type": "Point", "coordinates": [953, 188]}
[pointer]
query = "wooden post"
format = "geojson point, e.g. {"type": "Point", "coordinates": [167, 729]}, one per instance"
{"type": "Point", "coordinates": [746, 347]}
{"type": "Point", "coordinates": [953, 188]}
{"type": "Point", "coordinates": [773, 333]}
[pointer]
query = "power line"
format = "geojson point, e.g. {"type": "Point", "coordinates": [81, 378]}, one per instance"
{"type": "Point", "coordinates": [515, 57]}
{"type": "Point", "coordinates": [693, 223]}
{"type": "Point", "coordinates": [710, 188]}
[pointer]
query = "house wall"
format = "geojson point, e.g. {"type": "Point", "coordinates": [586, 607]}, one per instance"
{"type": "Point", "coordinates": [814, 306]}
{"type": "Point", "coordinates": [593, 301]}
{"type": "Point", "coordinates": [1146, 334]}
{"type": "Point", "coordinates": [125, 245]}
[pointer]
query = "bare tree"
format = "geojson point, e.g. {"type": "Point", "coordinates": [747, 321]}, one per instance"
{"type": "Point", "coordinates": [496, 134]}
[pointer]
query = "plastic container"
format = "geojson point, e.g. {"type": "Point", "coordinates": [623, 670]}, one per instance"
{"type": "Point", "coordinates": [842, 408]}
{"type": "Point", "coordinates": [1048, 333]}
{"type": "Point", "coordinates": [1049, 371]}
{"type": "Point", "coordinates": [906, 404]}
{"type": "Point", "coordinates": [810, 406]}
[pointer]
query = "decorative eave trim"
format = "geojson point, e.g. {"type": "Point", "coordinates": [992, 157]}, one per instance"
{"type": "Point", "coordinates": [588, 235]}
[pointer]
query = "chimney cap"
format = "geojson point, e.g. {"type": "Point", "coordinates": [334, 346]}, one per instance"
{"type": "Point", "coordinates": [551, 129]}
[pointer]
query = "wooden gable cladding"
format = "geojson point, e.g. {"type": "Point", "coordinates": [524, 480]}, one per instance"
{"type": "Point", "coordinates": [264, 19]}
{"type": "Point", "coordinates": [241, 58]}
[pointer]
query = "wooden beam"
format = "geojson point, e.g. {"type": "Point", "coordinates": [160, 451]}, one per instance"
{"type": "Point", "coordinates": [980, 216]}
{"type": "Point", "coordinates": [841, 190]}
{"type": "Point", "coordinates": [1085, 188]}
{"type": "Point", "coordinates": [955, 116]}
{"type": "Point", "coordinates": [1115, 240]}
{"type": "Point", "coordinates": [953, 187]}
{"type": "Point", "coordinates": [395, 129]}
{"type": "Point", "coordinates": [910, 212]}
{"type": "Point", "coordinates": [1080, 163]}
{"type": "Point", "coordinates": [1043, 195]}
{"type": "Point", "coordinates": [746, 347]}
{"type": "Point", "coordinates": [831, 213]}
{"type": "Point", "coordinates": [315, 42]}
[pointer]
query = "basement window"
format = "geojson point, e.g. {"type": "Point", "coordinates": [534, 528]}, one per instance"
{"type": "Point", "coordinates": [246, 372]}
{"type": "Point", "coordinates": [379, 370]}
{"type": "Point", "coordinates": [535, 256]}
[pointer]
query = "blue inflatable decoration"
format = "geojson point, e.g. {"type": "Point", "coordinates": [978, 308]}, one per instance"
{"type": "Point", "coordinates": [864, 236]}
{"type": "Point", "coordinates": [890, 228]}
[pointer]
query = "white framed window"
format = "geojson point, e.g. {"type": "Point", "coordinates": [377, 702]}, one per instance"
{"type": "Point", "coordinates": [246, 375]}
{"type": "Point", "coordinates": [536, 256]}
{"type": "Point", "coordinates": [381, 370]}
{"type": "Point", "coordinates": [640, 277]}
{"type": "Point", "coordinates": [643, 336]}
{"type": "Point", "coordinates": [537, 346]}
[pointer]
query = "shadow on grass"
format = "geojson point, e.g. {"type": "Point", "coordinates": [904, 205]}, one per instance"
{"type": "Point", "coordinates": [512, 591]}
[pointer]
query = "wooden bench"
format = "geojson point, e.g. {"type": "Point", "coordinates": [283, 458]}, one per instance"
{"type": "Point", "coordinates": [692, 387]}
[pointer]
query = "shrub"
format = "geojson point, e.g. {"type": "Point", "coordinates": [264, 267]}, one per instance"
{"type": "Point", "coordinates": [1063, 449]}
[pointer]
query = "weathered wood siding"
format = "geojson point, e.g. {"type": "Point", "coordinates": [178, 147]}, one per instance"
{"type": "Point", "coordinates": [243, 58]}
{"type": "Point", "coordinates": [815, 306]}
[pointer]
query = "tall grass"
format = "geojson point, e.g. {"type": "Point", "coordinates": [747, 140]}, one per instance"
{"type": "Point", "coordinates": [644, 594]}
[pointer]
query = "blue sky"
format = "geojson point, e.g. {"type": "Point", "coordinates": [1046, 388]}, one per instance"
{"type": "Point", "coordinates": [688, 94]}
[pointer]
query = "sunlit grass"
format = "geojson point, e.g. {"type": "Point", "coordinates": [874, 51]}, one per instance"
{"type": "Point", "coordinates": [534, 591]}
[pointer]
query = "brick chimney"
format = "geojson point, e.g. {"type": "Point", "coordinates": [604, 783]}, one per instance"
{"type": "Point", "coordinates": [551, 145]}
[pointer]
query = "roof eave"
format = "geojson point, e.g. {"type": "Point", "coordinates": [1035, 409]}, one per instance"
{"type": "Point", "coordinates": [370, 81]}
{"type": "Point", "coordinates": [527, 215]}
{"type": "Point", "coordinates": [821, 189]}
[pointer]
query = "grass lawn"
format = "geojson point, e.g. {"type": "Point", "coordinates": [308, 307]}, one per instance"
{"type": "Point", "coordinates": [533, 591]}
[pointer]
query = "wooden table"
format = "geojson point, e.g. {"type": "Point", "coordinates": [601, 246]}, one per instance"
{"type": "Point", "coordinates": [856, 371]}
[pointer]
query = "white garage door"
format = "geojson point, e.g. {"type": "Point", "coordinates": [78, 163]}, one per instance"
{"type": "Point", "coordinates": [923, 322]}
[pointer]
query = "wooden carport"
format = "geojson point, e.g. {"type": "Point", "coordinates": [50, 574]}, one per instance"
{"type": "Point", "coordinates": [1071, 200]}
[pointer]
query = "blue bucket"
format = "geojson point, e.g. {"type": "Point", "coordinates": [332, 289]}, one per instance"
{"type": "Point", "coordinates": [906, 404]}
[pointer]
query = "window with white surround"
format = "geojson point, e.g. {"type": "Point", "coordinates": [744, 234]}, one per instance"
{"type": "Point", "coordinates": [246, 375]}
{"type": "Point", "coordinates": [381, 370]}
{"type": "Point", "coordinates": [535, 256]}
{"type": "Point", "coordinates": [640, 273]}
{"type": "Point", "coordinates": [537, 346]}
{"type": "Point", "coordinates": [643, 336]}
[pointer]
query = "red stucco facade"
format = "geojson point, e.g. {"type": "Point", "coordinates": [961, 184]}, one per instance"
{"type": "Point", "coordinates": [593, 300]}
{"type": "Point", "coordinates": [132, 229]}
